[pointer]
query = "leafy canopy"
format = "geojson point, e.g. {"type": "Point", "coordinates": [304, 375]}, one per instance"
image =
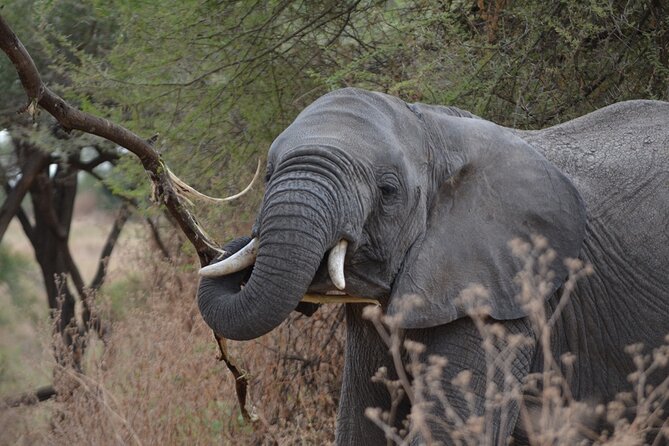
{"type": "Point", "coordinates": [218, 80]}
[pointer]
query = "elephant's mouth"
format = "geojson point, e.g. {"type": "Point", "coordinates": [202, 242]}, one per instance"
{"type": "Point", "coordinates": [366, 277]}
{"type": "Point", "coordinates": [329, 284]}
{"type": "Point", "coordinates": [323, 290]}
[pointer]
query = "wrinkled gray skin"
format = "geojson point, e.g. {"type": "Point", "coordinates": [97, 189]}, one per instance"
{"type": "Point", "coordinates": [428, 198]}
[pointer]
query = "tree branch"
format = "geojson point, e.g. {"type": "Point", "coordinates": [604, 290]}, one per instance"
{"type": "Point", "coordinates": [27, 226]}
{"type": "Point", "coordinates": [112, 238]}
{"type": "Point", "coordinates": [156, 238]}
{"type": "Point", "coordinates": [20, 213]}
{"type": "Point", "coordinates": [73, 270]}
{"type": "Point", "coordinates": [90, 165]}
{"type": "Point", "coordinates": [163, 190]}
{"type": "Point", "coordinates": [15, 195]}
{"type": "Point", "coordinates": [72, 118]}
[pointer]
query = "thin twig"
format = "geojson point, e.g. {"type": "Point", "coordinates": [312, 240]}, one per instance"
{"type": "Point", "coordinates": [121, 218]}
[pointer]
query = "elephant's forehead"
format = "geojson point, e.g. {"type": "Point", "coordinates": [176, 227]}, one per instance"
{"type": "Point", "coordinates": [356, 121]}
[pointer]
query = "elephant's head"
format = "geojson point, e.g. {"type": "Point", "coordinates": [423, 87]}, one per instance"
{"type": "Point", "coordinates": [425, 198]}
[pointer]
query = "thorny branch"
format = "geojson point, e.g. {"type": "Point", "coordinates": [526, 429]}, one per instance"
{"type": "Point", "coordinates": [70, 118]}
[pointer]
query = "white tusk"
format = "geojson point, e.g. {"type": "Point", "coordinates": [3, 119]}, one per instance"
{"type": "Point", "coordinates": [336, 264]}
{"type": "Point", "coordinates": [238, 261]}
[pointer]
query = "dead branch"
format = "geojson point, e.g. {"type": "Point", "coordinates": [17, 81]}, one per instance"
{"type": "Point", "coordinates": [241, 378]}
{"type": "Point", "coordinates": [157, 239]}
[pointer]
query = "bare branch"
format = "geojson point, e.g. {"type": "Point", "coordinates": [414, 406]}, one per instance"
{"type": "Point", "coordinates": [112, 238]}
{"type": "Point", "coordinates": [157, 239]}
{"type": "Point", "coordinates": [27, 226]}
{"type": "Point", "coordinates": [12, 204]}
{"type": "Point", "coordinates": [74, 271]}
{"type": "Point", "coordinates": [89, 165]}
{"type": "Point", "coordinates": [188, 192]}
{"type": "Point", "coordinates": [241, 378]}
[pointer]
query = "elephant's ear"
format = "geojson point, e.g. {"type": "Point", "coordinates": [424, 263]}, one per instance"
{"type": "Point", "coordinates": [492, 187]}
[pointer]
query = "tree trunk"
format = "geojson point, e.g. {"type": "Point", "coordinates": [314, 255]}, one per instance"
{"type": "Point", "coordinates": [53, 202]}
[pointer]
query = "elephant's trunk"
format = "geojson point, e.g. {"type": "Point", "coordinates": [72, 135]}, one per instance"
{"type": "Point", "coordinates": [297, 227]}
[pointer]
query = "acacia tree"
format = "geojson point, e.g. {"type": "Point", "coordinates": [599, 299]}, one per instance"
{"type": "Point", "coordinates": [52, 196]}
{"type": "Point", "coordinates": [42, 163]}
{"type": "Point", "coordinates": [54, 199]}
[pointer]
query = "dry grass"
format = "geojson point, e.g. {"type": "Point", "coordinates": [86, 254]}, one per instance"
{"type": "Point", "coordinates": [156, 380]}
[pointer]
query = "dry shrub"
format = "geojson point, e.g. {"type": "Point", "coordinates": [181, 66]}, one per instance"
{"type": "Point", "coordinates": [553, 416]}
{"type": "Point", "coordinates": [25, 425]}
{"type": "Point", "coordinates": [297, 377]}
{"type": "Point", "coordinates": [156, 380]}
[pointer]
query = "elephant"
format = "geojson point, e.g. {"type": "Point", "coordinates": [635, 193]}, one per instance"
{"type": "Point", "coordinates": [368, 195]}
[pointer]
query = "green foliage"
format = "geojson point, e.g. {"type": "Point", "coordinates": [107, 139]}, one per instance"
{"type": "Point", "coordinates": [129, 180]}
{"type": "Point", "coordinates": [104, 198]}
{"type": "Point", "coordinates": [219, 81]}
{"type": "Point", "coordinates": [20, 15]}
{"type": "Point", "coordinates": [216, 82]}
{"type": "Point", "coordinates": [15, 270]}
{"type": "Point", "coordinates": [114, 296]}
{"type": "Point", "coordinates": [528, 64]}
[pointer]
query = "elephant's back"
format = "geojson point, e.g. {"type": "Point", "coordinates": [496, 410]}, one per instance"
{"type": "Point", "coordinates": [624, 141]}
{"type": "Point", "coordinates": [618, 159]}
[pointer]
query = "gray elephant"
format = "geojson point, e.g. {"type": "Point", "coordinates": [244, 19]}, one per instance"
{"type": "Point", "coordinates": [378, 198]}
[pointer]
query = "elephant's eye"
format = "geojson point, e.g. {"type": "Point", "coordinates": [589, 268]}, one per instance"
{"type": "Point", "coordinates": [388, 190]}
{"type": "Point", "coordinates": [389, 186]}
